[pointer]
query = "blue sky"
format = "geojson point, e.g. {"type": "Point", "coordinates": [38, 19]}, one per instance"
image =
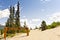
{"type": "Point", "coordinates": [32, 11]}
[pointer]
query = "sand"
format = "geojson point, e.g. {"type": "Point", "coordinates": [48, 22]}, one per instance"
{"type": "Point", "coordinates": [50, 34]}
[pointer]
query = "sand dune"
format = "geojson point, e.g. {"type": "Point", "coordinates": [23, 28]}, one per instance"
{"type": "Point", "coordinates": [50, 34]}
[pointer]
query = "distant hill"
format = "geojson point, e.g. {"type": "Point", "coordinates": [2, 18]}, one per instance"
{"type": "Point", "coordinates": [1, 26]}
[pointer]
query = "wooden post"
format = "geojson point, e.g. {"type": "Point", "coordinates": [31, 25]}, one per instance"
{"type": "Point", "coordinates": [5, 30]}
{"type": "Point", "coordinates": [27, 30]}
{"type": "Point", "coordinates": [27, 33]}
{"type": "Point", "coordinates": [5, 35]}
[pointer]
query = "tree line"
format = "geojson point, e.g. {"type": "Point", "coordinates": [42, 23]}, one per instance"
{"type": "Point", "coordinates": [14, 17]}
{"type": "Point", "coordinates": [44, 26]}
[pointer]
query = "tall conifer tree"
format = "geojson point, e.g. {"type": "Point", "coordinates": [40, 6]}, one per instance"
{"type": "Point", "coordinates": [10, 21]}
{"type": "Point", "coordinates": [14, 17]}
{"type": "Point", "coordinates": [17, 21]}
{"type": "Point", "coordinates": [11, 16]}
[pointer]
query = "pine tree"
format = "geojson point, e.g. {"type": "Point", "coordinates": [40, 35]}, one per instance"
{"type": "Point", "coordinates": [17, 20]}
{"type": "Point", "coordinates": [10, 21]}
{"type": "Point", "coordinates": [11, 16]}
{"type": "Point", "coordinates": [43, 25]}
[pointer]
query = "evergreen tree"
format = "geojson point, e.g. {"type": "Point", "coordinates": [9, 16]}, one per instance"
{"type": "Point", "coordinates": [17, 20]}
{"type": "Point", "coordinates": [10, 21]}
{"type": "Point", "coordinates": [43, 25]}
{"type": "Point", "coordinates": [11, 16]}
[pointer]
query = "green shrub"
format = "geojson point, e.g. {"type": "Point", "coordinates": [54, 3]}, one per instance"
{"type": "Point", "coordinates": [48, 27]}
{"type": "Point", "coordinates": [11, 31]}
{"type": "Point", "coordinates": [53, 25]}
{"type": "Point", "coordinates": [1, 31]}
{"type": "Point", "coordinates": [23, 30]}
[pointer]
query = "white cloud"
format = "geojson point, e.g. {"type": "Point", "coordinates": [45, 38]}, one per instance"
{"type": "Point", "coordinates": [35, 20]}
{"type": "Point", "coordinates": [23, 20]}
{"type": "Point", "coordinates": [30, 23]}
{"type": "Point", "coordinates": [54, 17]}
{"type": "Point", "coordinates": [4, 13]}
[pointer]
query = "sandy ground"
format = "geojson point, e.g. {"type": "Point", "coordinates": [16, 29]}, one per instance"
{"type": "Point", "coordinates": [50, 34]}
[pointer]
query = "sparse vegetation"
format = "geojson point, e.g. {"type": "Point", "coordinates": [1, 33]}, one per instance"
{"type": "Point", "coordinates": [53, 25]}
